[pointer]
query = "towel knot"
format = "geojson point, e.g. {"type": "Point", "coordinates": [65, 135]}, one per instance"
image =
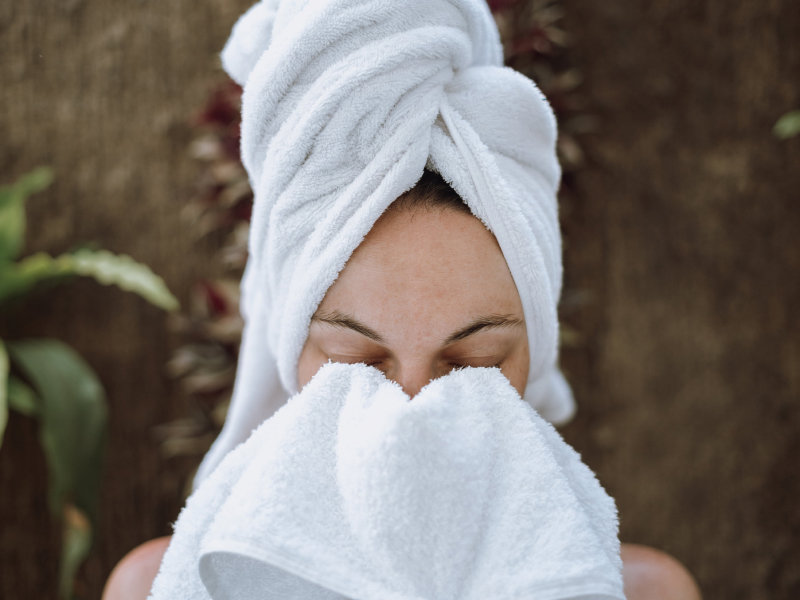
{"type": "Point", "coordinates": [345, 103]}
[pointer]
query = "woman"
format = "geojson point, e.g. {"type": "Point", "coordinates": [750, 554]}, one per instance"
{"type": "Point", "coordinates": [426, 292]}
{"type": "Point", "coordinates": [405, 217]}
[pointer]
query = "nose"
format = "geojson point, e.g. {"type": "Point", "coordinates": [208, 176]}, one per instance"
{"type": "Point", "coordinates": [412, 376]}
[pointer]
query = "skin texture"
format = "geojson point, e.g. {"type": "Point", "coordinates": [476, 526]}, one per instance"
{"type": "Point", "coordinates": [427, 291]}
{"type": "Point", "coordinates": [650, 574]}
{"type": "Point", "coordinates": [133, 576]}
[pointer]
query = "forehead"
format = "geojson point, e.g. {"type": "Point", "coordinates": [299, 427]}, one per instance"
{"type": "Point", "coordinates": [426, 266]}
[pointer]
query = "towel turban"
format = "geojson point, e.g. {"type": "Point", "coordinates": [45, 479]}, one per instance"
{"type": "Point", "coordinates": [345, 103]}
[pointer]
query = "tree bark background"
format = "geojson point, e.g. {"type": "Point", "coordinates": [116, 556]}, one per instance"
{"type": "Point", "coordinates": [684, 229]}
{"type": "Point", "coordinates": [103, 91]}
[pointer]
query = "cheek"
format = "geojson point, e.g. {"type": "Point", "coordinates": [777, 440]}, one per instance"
{"type": "Point", "coordinates": [311, 361]}
{"type": "Point", "coordinates": [517, 374]}
{"type": "Point", "coordinates": [516, 369]}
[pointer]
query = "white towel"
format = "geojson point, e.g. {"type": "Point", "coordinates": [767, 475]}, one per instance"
{"type": "Point", "coordinates": [345, 103]}
{"type": "Point", "coordinates": [353, 491]}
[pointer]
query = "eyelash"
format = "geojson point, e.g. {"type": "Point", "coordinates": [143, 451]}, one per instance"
{"type": "Point", "coordinates": [375, 363]}
{"type": "Point", "coordinates": [487, 366]}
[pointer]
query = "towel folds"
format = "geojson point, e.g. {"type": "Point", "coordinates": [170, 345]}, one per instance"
{"type": "Point", "coordinates": [351, 490]}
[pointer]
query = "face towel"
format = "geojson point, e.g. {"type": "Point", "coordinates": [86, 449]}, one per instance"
{"type": "Point", "coordinates": [345, 103]}
{"type": "Point", "coordinates": [351, 490]}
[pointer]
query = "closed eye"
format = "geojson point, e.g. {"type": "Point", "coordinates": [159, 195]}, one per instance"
{"type": "Point", "coordinates": [488, 362]}
{"type": "Point", "coordinates": [354, 360]}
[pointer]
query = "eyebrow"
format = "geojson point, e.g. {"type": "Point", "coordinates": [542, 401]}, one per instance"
{"type": "Point", "coordinates": [345, 321]}
{"type": "Point", "coordinates": [482, 323]}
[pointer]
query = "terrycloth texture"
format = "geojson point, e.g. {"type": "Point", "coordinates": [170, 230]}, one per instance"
{"type": "Point", "coordinates": [345, 103]}
{"type": "Point", "coordinates": [353, 491]}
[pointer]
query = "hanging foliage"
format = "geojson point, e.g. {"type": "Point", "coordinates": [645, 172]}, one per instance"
{"type": "Point", "coordinates": [48, 380]}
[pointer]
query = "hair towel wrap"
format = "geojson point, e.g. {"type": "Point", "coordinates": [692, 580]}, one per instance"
{"type": "Point", "coordinates": [345, 103]}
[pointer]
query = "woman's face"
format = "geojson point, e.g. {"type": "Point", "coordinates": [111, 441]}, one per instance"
{"type": "Point", "coordinates": [426, 292]}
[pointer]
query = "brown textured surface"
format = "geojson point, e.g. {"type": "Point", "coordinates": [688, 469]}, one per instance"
{"type": "Point", "coordinates": [684, 229]}
{"type": "Point", "coordinates": [687, 231]}
{"type": "Point", "coordinates": [102, 91]}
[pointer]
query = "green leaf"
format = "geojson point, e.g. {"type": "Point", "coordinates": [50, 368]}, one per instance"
{"type": "Point", "coordinates": [19, 277]}
{"type": "Point", "coordinates": [73, 417]}
{"type": "Point", "coordinates": [76, 541]}
{"type": "Point", "coordinates": [22, 398]}
{"type": "Point", "coordinates": [12, 210]}
{"type": "Point", "coordinates": [788, 125]}
{"type": "Point", "coordinates": [3, 390]}
{"type": "Point", "coordinates": [35, 181]}
{"type": "Point", "coordinates": [73, 414]}
{"type": "Point", "coordinates": [127, 274]}
{"type": "Point", "coordinates": [103, 266]}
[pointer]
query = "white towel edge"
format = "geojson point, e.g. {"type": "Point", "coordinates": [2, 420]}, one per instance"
{"type": "Point", "coordinates": [274, 556]}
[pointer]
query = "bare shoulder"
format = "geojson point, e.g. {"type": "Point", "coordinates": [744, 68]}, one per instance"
{"type": "Point", "coordinates": [133, 576]}
{"type": "Point", "coordinates": [651, 574]}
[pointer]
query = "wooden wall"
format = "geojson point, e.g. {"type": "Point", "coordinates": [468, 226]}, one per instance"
{"type": "Point", "coordinates": [687, 231]}
{"type": "Point", "coordinates": [102, 91]}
